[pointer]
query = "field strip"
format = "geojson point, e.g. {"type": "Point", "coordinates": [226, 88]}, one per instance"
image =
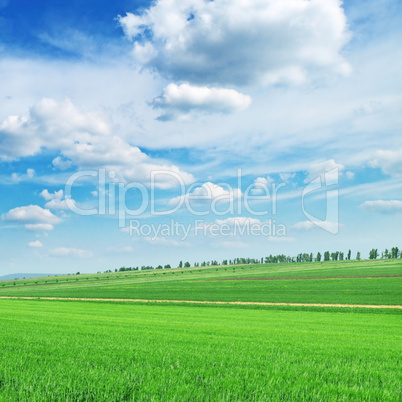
{"type": "Point", "coordinates": [204, 302]}
{"type": "Point", "coordinates": [301, 278]}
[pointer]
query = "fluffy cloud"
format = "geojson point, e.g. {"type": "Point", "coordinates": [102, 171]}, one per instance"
{"type": "Point", "coordinates": [180, 101]}
{"type": "Point", "coordinates": [261, 185]}
{"type": "Point", "coordinates": [33, 217]}
{"type": "Point", "coordinates": [54, 200]}
{"type": "Point", "coordinates": [383, 207]}
{"type": "Point", "coordinates": [83, 139]}
{"type": "Point", "coordinates": [70, 252]}
{"type": "Point", "coordinates": [389, 161]}
{"type": "Point", "coordinates": [328, 170]}
{"type": "Point", "coordinates": [208, 192]}
{"type": "Point", "coordinates": [39, 227]}
{"type": "Point", "coordinates": [239, 42]}
{"type": "Point", "coordinates": [35, 244]}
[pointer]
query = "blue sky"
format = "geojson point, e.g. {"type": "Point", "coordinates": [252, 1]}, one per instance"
{"type": "Point", "coordinates": [236, 109]}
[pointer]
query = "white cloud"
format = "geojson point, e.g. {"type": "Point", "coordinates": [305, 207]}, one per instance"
{"type": "Point", "coordinates": [30, 173]}
{"type": "Point", "coordinates": [31, 214]}
{"type": "Point", "coordinates": [209, 192]}
{"type": "Point", "coordinates": [54, 200]}
{"type": "Point", "coordinates": [35, 244]}
{"type": "Point", "coordinates": [239, 42]}
{"type": "Point", "coordinates": [389, 161]}
{"type": "Point", "coordinates": [285, 177]}
{"type": "Point", "coordinates": [350, 175]}
{"type": "Point", "coordinates": [329, 170]}
{"type": "Point", "coordinates": [383, 207]}
{"type": "Point", "coordinates": [261, 185]}
{"type": "Point", "coordinates": [181, 101]}
{"type": "Point", "coordinates": [61, 163]}
{"type": "Point", "coordinates": [70, 252]}
{"type": "Point", "coordinates": [84, 139]}
{"type": "Point", "coordinates": [309, 225]}
{"type": "Point", "coordinates": [39, 227]}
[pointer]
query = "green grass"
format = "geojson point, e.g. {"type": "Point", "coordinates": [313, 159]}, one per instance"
{"type": "Point", "coordinates": [206, 284]}
{"type": "Point", "coordinates": [108, 352]}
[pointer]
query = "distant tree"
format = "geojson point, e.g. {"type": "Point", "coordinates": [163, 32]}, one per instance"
{"type": "Point", "coordinates": [358, 256]}
{"type": "Point", "coordinates": [77, 273]}
{"type": "Point", "coordinates": [181, 264]}
{"type": "Point", "coordinates": [326, 256]}
{"type": "Point", "coordinates": [159, 267]}
{"type": "Point", "coordinates": [187, 265]}
{"type": "Point", "coordinates": [225, 262]}
{"type": "Point", "coordinates": [395, 252]}
{"type": "Point", "coordinates": [167, 266]}
{"type": "Point", "coordinates": [373, 254]}
{"type": "Point", "coordinates": [349, 254]}
{"type": "Point", "coordinates": [341, 255]}
{"type": "Point", "coordinates": [318, 258]}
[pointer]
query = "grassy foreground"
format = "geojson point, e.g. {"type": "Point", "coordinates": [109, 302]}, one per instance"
{"type": "Point", "coordinates": [347, 282]}
{"type": "Point", "coordinates": [100, 351]}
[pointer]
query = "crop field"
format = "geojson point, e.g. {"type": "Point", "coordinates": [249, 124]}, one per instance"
{"type": "Point", "coordinates": [365, 282]}
{"type": "Point", "coordinates": [117, 351]}
{"type": "Point", "coordinates": [101, 351]}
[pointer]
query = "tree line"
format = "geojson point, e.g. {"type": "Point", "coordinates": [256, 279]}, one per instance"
{"type": "Point", "coordinates": [391, 253]}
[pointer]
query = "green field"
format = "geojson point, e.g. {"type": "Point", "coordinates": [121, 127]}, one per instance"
{"type": "Point", "coordinates": [311, 283]}
{"type": "Point", "coordinates": [103, 351]}
{"type": "Point", "coordinates": [97, 351]}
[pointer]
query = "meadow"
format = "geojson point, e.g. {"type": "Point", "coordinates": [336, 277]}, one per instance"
{"type": "Point", "coordinates": [119, 351]}
{"type": "Point", "coordinates": [355, 282]}
{"type": "Point", "coordinates": [103, 351]}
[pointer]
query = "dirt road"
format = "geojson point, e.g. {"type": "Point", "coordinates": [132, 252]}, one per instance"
{"type": "Point", "coordinates": [207, 302]}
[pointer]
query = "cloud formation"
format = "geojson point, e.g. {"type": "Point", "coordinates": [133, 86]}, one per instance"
{"type": "Point", "coordinates": [84, 140]}
{"type": "Point", "coordinates": [328, 170]}
{"type": "Point", "coordinates": [179, 102]}
{"type": "Point", "coordinates": [390, 161]}
{"type": "Point", "coordinates": [35, 244]}
{"type": "Point", "coordinates": [239, 42]}
{"type": "Point", "coordinates": [33, 217]}
{"type": "Point", "coordinates": [208, 192]}
{"type": "Point", "coordinates": [54, 200]}
{"type": "Point", "coordinates": [383, 207]}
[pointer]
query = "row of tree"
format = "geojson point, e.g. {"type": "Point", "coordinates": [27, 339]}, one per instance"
{"type": "Point", "coordinates": [386, 254]}
{"type": "Point", "coordinates": [393, 253]}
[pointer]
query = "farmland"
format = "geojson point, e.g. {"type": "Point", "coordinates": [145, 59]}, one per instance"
{"type": "Point", "coordinates": [82, 350]}
{"type": "Point", "coordinates": [97, 351]}
{"type": "Point", "coordinates": [365, 282]}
